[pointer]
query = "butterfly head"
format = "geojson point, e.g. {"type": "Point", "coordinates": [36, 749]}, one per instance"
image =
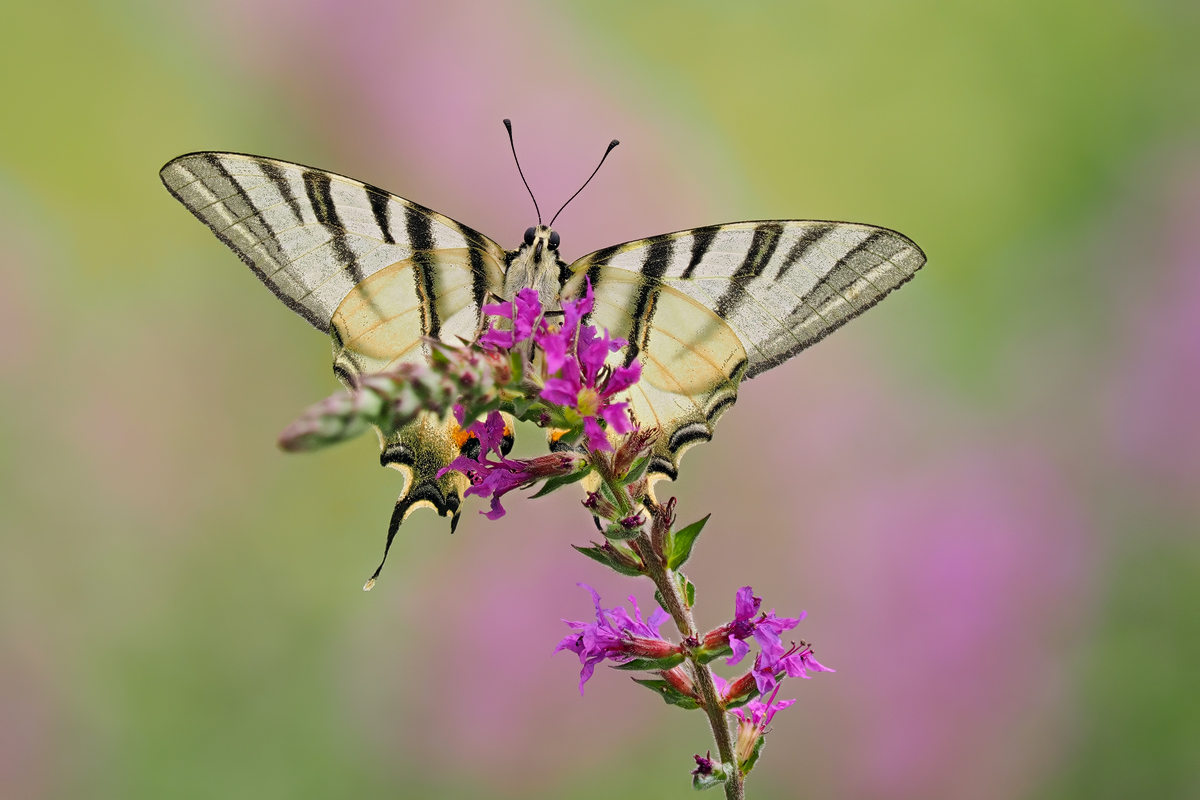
{"type": "Point", "coordinates": [536, 265]}
{"type": "Point", "coordinates": [541, 238]}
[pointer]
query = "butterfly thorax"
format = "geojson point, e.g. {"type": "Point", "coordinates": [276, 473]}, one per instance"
{"type": "Point", "coordinates": [537, 265]}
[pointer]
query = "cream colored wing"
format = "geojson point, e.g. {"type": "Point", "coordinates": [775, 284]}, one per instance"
{"type": "Point", "coordinates": [384, 320]}
{"type": "Point", "coordinates": [691, 360]}
{"type": "Point", "coordinates": [781, 285]}
{"type": "Point", "coordinates": [310, 235]}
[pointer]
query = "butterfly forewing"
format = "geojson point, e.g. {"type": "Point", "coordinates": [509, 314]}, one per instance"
{"type": "Point", "coordinates": [780, 285]}
{"type": "Point", "coordinates": [311, 236]}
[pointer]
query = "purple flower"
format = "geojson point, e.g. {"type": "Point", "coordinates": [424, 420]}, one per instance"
{"type": "Point", "coordinates": [753, 719]}
{"type": "Point", "coordinates": [556, 343]}
{"type": "Point", "coordinates": [758, 715]}
{"type": "Point", "coordinates": [497, 477]}
{"type": "Point", "coordinates": [795, 663]}
{"type": "Point", "coordinates": [616, 636]}
{"type": "Point", "coordinates": [587, 391]}
{"type": "Point", "coordinates": [526, 313]}
{"type": "Point", "coordinates": [798, 660]}
{"type": "Point", "coordinates": [765, 630]}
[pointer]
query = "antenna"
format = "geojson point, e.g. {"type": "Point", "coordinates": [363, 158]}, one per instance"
{"type": "Point", "coordinates": [611, 145]}
{"type": "Point", "coordinates": [508, 126]}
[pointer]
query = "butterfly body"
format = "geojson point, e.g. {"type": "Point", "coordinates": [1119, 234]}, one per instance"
{"type": "Point", "coordinates": [701, 309]}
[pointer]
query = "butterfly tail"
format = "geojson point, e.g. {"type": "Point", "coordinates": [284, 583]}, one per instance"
{"type": "Point", "coordinates": [420, 451]}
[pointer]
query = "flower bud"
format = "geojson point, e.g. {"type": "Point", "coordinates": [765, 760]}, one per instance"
{"type": "Point", "coordinates": [680, 681]}
{"type": "Point", "coordinates": [632, 447]}
{"type": "Point", "coordinates": [600, 507]}
{"type": "Point", "coordinates": [740, 691]}
{"type": "Point", "coordinates": [709, 773]}
{"type": "Point", "coordinates": [714, 644]}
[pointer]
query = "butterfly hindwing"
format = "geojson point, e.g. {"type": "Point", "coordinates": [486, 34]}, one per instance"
{"type": "Point", "coordinates": [311, 236]}
{"type": "Point", "coordinates": [384, 320]}
{"type": "Point", "coordinates": [781, 285]}
{"type": "Point", "coordinates": [691, 360]}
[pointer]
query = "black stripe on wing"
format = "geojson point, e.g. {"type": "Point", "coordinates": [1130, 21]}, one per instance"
{"type": "Point", "coordinates": [805, 242]}
{"type": "Point", "coordinates": [420, 237]}
{"type": "Point", "coordinates": [319, 188]}
{"type": "Point", "coordinates": [832, 303]}
{"type": "Point", "coordinates": [762, 248]}
{"type": "Point", "coordinates": [702, 239]}
{"type": "Point", "coordinates": [658, 260]}
{"type": "Point", "coordinates": [276, 176]}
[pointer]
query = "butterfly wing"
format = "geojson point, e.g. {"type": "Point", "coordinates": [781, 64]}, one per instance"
{"type": "Point", "coordinates": [374, 270]}
{"type": "Point", "coordinates": [706, 308]}
{"type": "Point", "coordinates": [781, 285]}
{"type": "Point", "coordinates": [311, 236]}
{"type": "Point", "coordinates": [691, 360]}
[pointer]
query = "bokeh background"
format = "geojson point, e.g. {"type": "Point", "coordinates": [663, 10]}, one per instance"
{"type": "Point", "coordinates": [986, 492]}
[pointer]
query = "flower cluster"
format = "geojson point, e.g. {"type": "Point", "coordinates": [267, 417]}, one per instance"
{"type": "Point", "coordinates": [577, 379]}
{"type": "Point", "coordinates": [620, 638]}
{"type": "Point", "coordinates": [540, 366]}
{"type": "Point", "coordinates": [549, 368]}
{"type": "Point", "coordinates": [772, 660]}
{"type": "Point", "coordinates": [631, 644]}
{"type": "Point", "coordinates": [465, 377]}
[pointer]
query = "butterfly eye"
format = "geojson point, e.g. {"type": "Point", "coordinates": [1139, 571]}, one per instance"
{"type": "Point", "coordinates": [529, 234]}
{"type": "Point", "coordinates": [554, 240]}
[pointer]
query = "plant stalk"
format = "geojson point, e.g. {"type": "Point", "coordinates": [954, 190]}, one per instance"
{"type": "Point", "coordinates": [677, 607]}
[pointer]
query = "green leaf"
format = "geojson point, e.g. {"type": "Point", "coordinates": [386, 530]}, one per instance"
{"type": "Point", "coordinates": [705, 656]}
{"type": "Point", "coordinates": [607, 494]}
{"type": "Point", "coordinates": [646, 664]}
{"type": "Point", "coordinates": [606, 558]}
{"type": "Point", "coordinates": [690, 593]}
{"type": "Point", "coordinates": [668, 693]}
{"type": "Point", "coordinates": [521, 405]}
{"type": "Point", "coordinates": [682, 541]}
{"type": "Point", "coordinates": [560, 481]}
{"type": "Point", "coordinates": [637, 470]}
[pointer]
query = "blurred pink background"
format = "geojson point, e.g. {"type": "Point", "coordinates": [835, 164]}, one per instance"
{"type": "Point", "coordinates": [984, 492]}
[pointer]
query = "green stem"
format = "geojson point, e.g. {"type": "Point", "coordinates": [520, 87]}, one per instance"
{"type": "Point", "coordinates": [618, 492]}
{"type": "Point", "coordinates": [677, 607]}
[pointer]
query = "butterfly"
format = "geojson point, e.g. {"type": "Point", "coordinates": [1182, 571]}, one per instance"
{"type": "Point", "coordinates": [701, 309]}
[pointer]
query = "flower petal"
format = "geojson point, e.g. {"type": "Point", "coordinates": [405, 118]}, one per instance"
{"type": "Point", "coordinates": [617, 417]}
{"type": "Point", "coordinates": [529, 311]}
{"type": "Point", "coordinates": [597, 438]}
{"type": "Point", "coordinates": [746, 605]}
{"type": "Point", "coordinates": [561, 392]}
{"type": "Point", "coordinates": [622, 378]}
{"type": "Point", "coordinates": [739, 648]}
{"type": "Point", "coordinates": [497, 338]}
{"type": "Point", "coordinates": [498, 310]}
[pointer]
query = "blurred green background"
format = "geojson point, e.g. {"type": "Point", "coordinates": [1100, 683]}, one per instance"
{"type": "Point", "coordinates": [986, 492]}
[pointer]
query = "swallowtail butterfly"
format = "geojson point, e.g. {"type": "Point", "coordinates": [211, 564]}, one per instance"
{"type": "Point", "coordinates": [702, 309]}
